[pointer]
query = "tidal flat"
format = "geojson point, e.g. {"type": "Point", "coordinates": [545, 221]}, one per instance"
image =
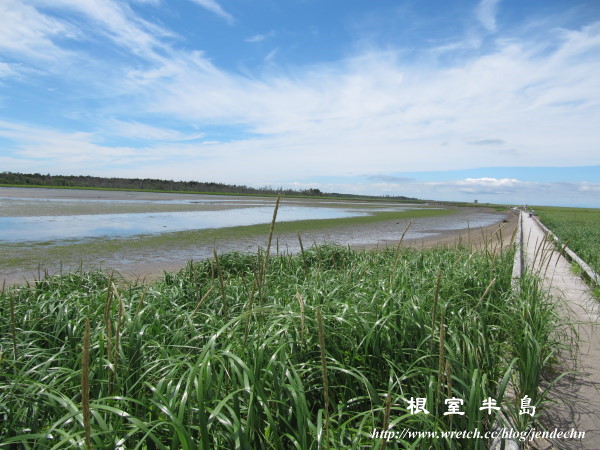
{"type": "Point", "coordinates": [153, 232]}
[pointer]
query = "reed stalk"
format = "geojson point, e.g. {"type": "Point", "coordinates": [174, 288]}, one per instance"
{"type": "Point", "coordinates": [272, 229]}
{"type": "Point", "coordinates": [397, 257]}
{"type": "Point", "coordinates": [141, 302]}
{"type": "Point", "coordinates": [302, 317]}
{"type": "Point", "coordinates": [304, 263]}
{"type": "Point", "coordinates": [400, 242]}
{"type": "Point", "coordinates": [442, 357]}
{"type": "Point", "coordinates": [108, 328]}
{"type": "Point", "coordinates": [221, 283]}
{"type": "Point", "coordinates": [324, 373]}
{"type": "Point", "coordinates": [435, 308]}
{"type": "Point", "coordinates": [386, 418]}
{"type": "Point", "coordinates": [486, 292]}
{"type": "Point", "coordinates": [265, 264]}
{"type": "Point", "coordinates": [13, 326]}
{"type": "Point", "coordinates": [116, 350]}
{"type": "Point", "coordinates": [85, 385]}
{"type": "Point", "coordinates": [202, 300]}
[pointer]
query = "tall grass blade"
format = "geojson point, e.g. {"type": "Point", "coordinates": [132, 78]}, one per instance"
{"type": "Point", "coordinates": [324, 373]}
{"type": "Point", "coordinates": [85, 385]}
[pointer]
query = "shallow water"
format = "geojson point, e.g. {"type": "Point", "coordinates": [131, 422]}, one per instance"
{"type": "Point", "coordinates": [76, 227]}
{"type": "Point", "coordinates": [65, 216]}
{"type": "Point", "coordinates": [36, 225]}
{"type": "Point", "coordinates": [379, 233]}
{"type": "Point", "coordinates": [57, 216]}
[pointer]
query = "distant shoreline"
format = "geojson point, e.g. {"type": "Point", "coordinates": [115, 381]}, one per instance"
{"type": "Point", "coordinates": [37, 180]}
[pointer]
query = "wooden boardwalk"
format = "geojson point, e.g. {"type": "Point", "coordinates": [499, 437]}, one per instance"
{"type": "Point", "coordinates": [577, 395]}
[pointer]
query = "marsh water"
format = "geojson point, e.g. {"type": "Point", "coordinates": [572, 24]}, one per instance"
{"type": "Point", "coordinates": [128, 231]}
{"type": "Point", "coordinates": [52, 216]}
{"type": "Point", "coordinates": [76, 227]}
{"type": "Point", "coordinates": [80, 215]}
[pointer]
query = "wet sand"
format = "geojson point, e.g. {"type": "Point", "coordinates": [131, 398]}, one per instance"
{"type": "Point", "coordinates": [500, 233]}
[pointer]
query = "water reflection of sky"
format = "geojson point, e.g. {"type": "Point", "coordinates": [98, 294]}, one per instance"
{"type": "Point", "coordinates": [196, 200]}
{"type": "Point", "coordinates": [50, 228]}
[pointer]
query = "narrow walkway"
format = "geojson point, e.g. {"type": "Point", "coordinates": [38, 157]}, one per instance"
{"type": "Point", "coordinates": [578, 395]}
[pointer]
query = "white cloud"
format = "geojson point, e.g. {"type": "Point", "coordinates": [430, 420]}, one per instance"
{"type": "Point", "coordinates": [256, 38]}
{"type": "Point", "coordinates": [148, 2]}
{"type": "Point", "coordinates": [35, 32]}
{"type": "Point", "coordinates": [488, 142]}
{"type": "Point", "coordinates": [116, 21]}
{"type": "Point", "coordinates": [27, 33]}
{"type": "Point", "coordinates": [260, 37]}
{"type": "Point", "coordinates": [271, 56]}
{"type": "Point", "coordinates": [486, 13]}
{"type": "Point", "coordinates": [485, 185]}
{"type": "Point", "coordinates": [589, 187]}
{"type": "Point", "coordinates": [383, 115]}
{"type": "Point", "coordinates": [214, 7]}
{"type": "Point", "coordinates": [6, 70]}
{"type": "Point", "coordinates": [141, 131]}
{"type": "Point", "coordinates": [56, 151]}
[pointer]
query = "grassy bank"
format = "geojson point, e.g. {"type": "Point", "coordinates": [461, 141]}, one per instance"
{"type": "Point", "coordinates": [313, 350]}
{"type": "Point", "coordinates": [578, 227]}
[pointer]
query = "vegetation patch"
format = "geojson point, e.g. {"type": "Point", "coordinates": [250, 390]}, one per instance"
{"type": "Point", "coordinates": [313, 350]}
{"type": "Point", "coordinates": [579, 228]}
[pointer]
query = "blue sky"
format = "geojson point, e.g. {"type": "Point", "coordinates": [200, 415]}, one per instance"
{"type": "Point", "coordinates": [494, 100]}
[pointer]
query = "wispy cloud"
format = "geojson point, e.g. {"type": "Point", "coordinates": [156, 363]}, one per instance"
{"type": "Point", "coordinates": [27, 33]}
{"type": "Point", "coordinates": [486, 14]}
{"type": "Point", "coordinates": [487, 142]}
{"type": "Point", "coordinates": [487, 185]}
{"type": "Point", "coordinates": [260, 37]}
{"type": "Point", "coordinates": [391, 179]}
{"type": "Point", "coordinates": [7, 70]}
{"type": "Point", "coordinates": [214, 7]}
{"type": "Point", "coordinates": [145, 132]}
{"type": "Point", "coordinates": [116, 21]}
{"type": "Point", "coordinates": [68, 151]}
{"type": "Point", "coordinates": [401, 114]}
{"type": "Point", "coordinates": [39, 38]}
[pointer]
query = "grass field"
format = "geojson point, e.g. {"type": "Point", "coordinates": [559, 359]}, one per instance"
{"type": "Point", "coordinates": [314, 350]}
{"type": "Point", "coordinates": [578, 227]}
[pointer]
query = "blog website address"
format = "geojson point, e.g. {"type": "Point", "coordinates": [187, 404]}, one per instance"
{"type": "Point", "coordinates": [501, 433]}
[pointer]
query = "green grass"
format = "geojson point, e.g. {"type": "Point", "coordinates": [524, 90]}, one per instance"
{"type": "Point", "coordinates": [578, 227]}
{"type": "Point", "coordinates": [304, 351]}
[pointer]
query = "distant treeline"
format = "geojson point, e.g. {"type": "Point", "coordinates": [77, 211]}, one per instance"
{"type": "Point", "coordinates": [81, 181]}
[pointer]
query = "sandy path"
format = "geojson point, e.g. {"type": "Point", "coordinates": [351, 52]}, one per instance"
{"type": "Point", "coordinates": [579, 394]}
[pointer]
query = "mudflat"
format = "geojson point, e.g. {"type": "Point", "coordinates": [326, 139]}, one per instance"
{"type": "Point", "coordinates": [148, 256]}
